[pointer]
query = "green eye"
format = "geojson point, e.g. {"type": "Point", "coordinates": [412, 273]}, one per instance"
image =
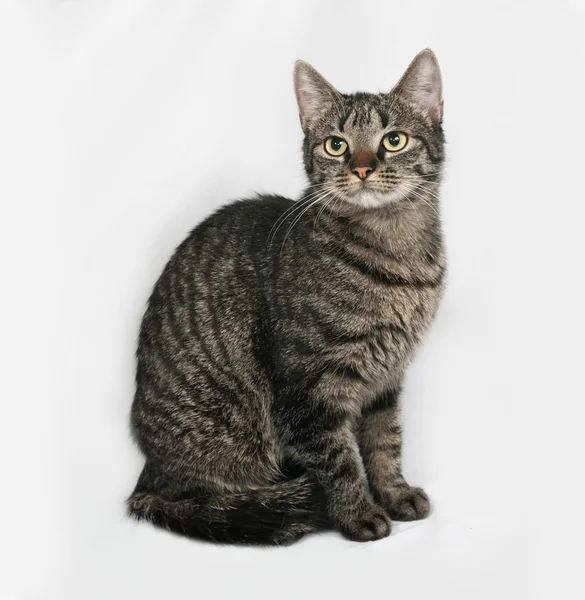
{"type": "Point", "coordinates": [394, 141]}
{"type": "Point", "coordinates": [335, 146]}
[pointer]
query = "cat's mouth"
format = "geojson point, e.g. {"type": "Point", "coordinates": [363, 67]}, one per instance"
{"type": "Point", "coordinates": [375, 182]}
{"type": "Point", "coordinates": [373, 193]}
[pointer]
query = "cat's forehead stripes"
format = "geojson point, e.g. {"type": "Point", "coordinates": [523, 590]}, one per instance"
{"type": "Point", "coordinates": [362, 114]}
{"type": "Point", "coordinates": [363, 123]}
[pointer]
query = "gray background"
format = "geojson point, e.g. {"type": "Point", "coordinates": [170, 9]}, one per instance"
{"type": "Point", "coordinates": [123, 123]}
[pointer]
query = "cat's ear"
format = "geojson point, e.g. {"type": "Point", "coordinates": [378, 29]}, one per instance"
{"type": "Point", "coordinates": [422, 86]}
{"type": "Point", "coordinates": [314, 93]}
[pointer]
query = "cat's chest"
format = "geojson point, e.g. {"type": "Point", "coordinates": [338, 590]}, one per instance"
{"type": "Point", "coordinates": [401, 295]}
{"type": "Point", "coordinates": [409, 307]}
{"type": "Point", "coordinates": [390, 319]}
{"type": "Point", "coordinates": [399, 316]}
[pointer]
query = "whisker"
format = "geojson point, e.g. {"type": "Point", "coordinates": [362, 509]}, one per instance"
{"type": "Point", "coordinates": [409, 176]}
{"type": "Point", "coordinates": [324, 195]}
{"type": "Point", "coordinates": [327, 203]}
{"type": "Point", "coordinates": [291, 210]}
{"type": "Point", "coordinates": [412, 190]}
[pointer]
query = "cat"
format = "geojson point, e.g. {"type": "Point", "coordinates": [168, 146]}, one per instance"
{"type": "Point", "coordinates": [272, 352]}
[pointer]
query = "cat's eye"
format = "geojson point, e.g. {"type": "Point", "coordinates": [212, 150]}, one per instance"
{"type": "Point", "coordinates": [394, 141]}
{"type": "Point", "coordinates": [335, 146]}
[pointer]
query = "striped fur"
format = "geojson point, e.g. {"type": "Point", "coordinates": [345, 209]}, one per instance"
{"type": "Point", "coordinates": [272, 351]}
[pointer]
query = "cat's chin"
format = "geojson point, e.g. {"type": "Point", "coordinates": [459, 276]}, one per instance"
{"type": "Point", "coordinates": [372, 198]}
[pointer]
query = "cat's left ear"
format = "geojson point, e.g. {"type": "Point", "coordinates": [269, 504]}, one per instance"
{"type": "Point", "coordinates": [422, 85]}
{"type": "Point", "coordinates": [314, 93]}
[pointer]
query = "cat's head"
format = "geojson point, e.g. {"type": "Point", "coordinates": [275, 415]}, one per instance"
{"type": "Point", "coordinates": [373, 149]}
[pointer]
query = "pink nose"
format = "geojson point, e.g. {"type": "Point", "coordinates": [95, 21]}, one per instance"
{"type": "Point", "coordinates": [362, 172]}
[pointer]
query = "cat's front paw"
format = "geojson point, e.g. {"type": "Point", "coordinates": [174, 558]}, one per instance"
{"type": "Point", "coordinates": [406, 504]}
{"type": "Point", "coordinates": [371, 523]}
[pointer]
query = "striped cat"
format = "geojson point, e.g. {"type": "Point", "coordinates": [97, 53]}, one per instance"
{"type": "Point", "coordinates": [273, 349]}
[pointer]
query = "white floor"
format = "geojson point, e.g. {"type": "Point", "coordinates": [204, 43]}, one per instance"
{"type": "Point", "coordinates": [123, 123]}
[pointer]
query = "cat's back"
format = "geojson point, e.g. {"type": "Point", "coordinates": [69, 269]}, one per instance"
{"type": "Point", "coordinates": [233, 237]}
{"type": "Point", "coordinates": [244, 224]}
{"type": "Point", "coordinates": [209, 286]}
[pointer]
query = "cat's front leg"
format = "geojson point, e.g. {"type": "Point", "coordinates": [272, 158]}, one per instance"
{"type": "Point", "coordinates": [380, 440]}
{"type": "Point", "coordinates": [320, 436]}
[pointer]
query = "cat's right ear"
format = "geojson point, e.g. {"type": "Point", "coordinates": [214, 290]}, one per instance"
{"type": "Point", "coordinates": [314, 94]}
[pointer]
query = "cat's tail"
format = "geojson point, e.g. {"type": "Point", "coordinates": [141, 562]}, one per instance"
{"type": "Point", "coordinates": [278, 514]}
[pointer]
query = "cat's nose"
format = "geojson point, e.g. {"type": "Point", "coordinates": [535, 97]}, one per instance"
{"type": "Point", "coordinates": [363, 163]}
{"type": "Point", "coordinates": [362, 172]}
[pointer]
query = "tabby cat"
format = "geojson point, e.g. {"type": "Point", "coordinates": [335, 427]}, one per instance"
{"type": "Point", "coordinates": [274, 345]}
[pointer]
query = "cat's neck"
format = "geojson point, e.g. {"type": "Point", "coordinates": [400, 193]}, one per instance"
{"type": "Point", "coordinates": [406, 229]}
